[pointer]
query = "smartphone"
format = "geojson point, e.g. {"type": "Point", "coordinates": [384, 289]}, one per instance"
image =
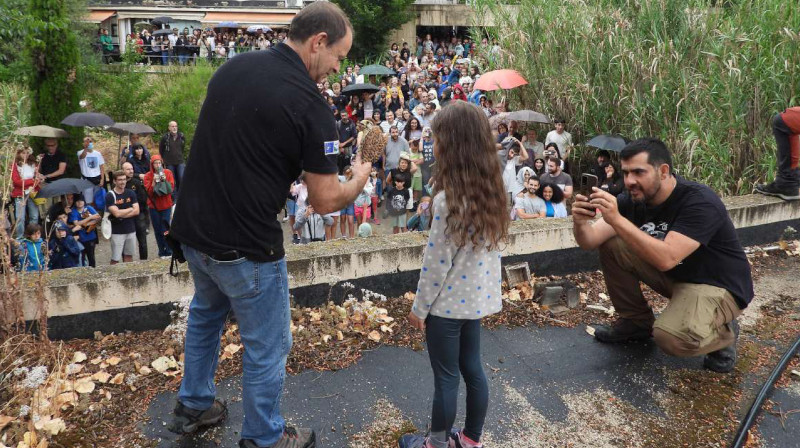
{"type": "Point", "coordinates": [587, 182]}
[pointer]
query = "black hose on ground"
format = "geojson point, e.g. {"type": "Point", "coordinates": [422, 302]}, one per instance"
{"type": "Point", "coordinates": [755, 409]}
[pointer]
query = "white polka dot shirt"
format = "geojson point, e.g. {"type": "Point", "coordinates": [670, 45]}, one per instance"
{"type": "Point", "coordinates": [456, 283]}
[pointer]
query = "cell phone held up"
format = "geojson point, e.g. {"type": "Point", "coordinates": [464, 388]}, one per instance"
{"type": "Point", "coordinates": [588, 181]}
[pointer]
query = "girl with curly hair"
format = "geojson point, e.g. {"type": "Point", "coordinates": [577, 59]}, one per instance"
{"type": "Point", "coordinates": [460, 279]}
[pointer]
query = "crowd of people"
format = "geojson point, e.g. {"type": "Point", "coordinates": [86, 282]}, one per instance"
{"type": "Point", "coordinates": [426, 78]}
{"type": "Point", "coordinates": [64, 231]}
{"type": "Point", "coordinates": [182, 47]}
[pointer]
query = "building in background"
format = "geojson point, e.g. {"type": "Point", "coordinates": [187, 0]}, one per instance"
{"type": "Point", "coordinates": [120, 17]}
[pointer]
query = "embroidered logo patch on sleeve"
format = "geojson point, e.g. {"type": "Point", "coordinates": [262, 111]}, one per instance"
{"type": "Point", "coordinates": [331, 148]}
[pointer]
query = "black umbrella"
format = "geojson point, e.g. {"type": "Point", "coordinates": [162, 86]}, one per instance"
{"type": "Point", "coordinates": [130, 128]}
{"type": "Point", "coordinates": [375, 69]}
{"type": "Point", "coordinates": [123, 129]}
{"type": "Point", "coordinates": [611, 142]}
{"type": "Point", "coordinates": [162, 32]}
{"type": "Point", "coordinates": [92, 119]}
{"type": "Point", "coordinates": [357, 89]}
{"type": "Point", "coordinates": [64, 186]}
{"type": "Point", "coordinates": [164, 20]}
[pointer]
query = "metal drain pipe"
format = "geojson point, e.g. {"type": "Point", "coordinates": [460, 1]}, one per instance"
{"type": "Point", "coordinates": [755, 409]}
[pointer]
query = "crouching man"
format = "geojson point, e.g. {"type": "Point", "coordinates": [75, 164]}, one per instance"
{"type": "Point", "coordinates": [675, 236]}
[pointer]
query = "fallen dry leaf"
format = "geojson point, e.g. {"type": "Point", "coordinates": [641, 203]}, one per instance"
{"type": "Point", "coordinates": [339, 335]}
{"type": "Point", "coordinates": [144, 370]}
{"type": "Point", "coordinates": [5, 420]}
{"type": "Point", "coordinates": [374, 336]}
{"type": "Point", "coordinates": [326, 338]}
{"type": "Point", "coordinates": [114, 360]}
{"type": "Point", "coordinates": [603, 296]}
{"type": "Point", "coordinates": [232, 348]}
{"type": "Point", "coordinates": [163, 364]}
{"type": "Point", "coordinates": [84, 386]}
{"type": "Point", "coordinates": [590, 330]}
{"type": "Point", "coordinates": [96, 361]}
{"type": "Point", "coordinates": [794, 372]}
{"type": "Point", "coordinates": [101, 376]}
{"type": "Point", "coordinates": [118, 378]}
{"type": "Point", "coordinates": [78, 357]}
{"type": "Point", "coordinates": [43, 444]}
{"type": "Point", "coordinates": [386, 329]}
{"type": "Point", "coordinates": [50, 425]}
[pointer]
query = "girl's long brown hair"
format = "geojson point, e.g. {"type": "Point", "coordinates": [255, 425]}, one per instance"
{"type": "Point", "coordinates": [469, 173]}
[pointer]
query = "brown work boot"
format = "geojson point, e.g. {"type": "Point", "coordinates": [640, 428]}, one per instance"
{"type": "Point", "coordinates": [292, 438]}
{"type": "Point", "coordinates": [623, 330]}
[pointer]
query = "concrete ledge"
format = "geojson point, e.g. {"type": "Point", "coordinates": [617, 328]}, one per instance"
{"type": "Point", "coordinates": [137, 296]}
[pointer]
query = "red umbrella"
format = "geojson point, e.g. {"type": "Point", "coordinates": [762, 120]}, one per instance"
{"type": "Point", "coordinates": [500, 79]}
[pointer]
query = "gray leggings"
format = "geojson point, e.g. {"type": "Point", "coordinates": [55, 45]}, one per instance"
{"type": "Point", "coordinates": [454, 346]}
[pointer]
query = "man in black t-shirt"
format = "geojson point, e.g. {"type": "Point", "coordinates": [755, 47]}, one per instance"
{"type": "Point", "coordinates": [54, 162]}
{"type": "Point", "coordinates": [245, 154]}
{"type": "Point", "coordinates": [675, 236]}
{"type": "Point", "coordinates": [124, 208]}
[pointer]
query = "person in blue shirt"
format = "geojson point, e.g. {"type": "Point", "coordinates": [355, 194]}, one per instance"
{"type": "Point", "coordinates": [553, 199]}
{"type": "Point", "coordinates": [84, 218]}
{"type": "Point", "coordinates": [64, 250]}
{"type": "Point", "coordinates": [32, 249]}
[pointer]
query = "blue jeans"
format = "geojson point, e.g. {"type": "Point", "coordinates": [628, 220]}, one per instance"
{"type": "Point", "coordinates": [160, 220]}
{"type": "Point", "coordinates": [258, 293]}
{"type": "Point", "coordinates": [177, 172]}
{"type": "Point", "coordinates": [22, 211]}
{"type": "Point", "coordinates": [164, 57]}
{"type": "Point", "coordinates": [454, 346]}
{"type": "Point", "coordinates": [182, 59]}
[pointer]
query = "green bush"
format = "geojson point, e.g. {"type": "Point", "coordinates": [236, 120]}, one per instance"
{"type": "Point", "coordinates": [704, 79]}
{"type": "Point", "coordinates": [178, 97]}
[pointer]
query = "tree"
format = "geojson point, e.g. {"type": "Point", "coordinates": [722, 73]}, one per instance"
{"type": "Point", "coordinates": [54, 81]}
{"type": "Point", "coordinates": [372, 21]}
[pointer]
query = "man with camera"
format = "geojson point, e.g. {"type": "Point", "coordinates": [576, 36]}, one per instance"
{"type": "Point", "coordinates": [245, 155]}
{"type": "Point", "coordinates": [675, 236]}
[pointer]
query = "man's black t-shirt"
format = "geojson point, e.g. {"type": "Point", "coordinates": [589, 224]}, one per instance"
{"type": "Point", "coordinates": [262, 122]}
{"type": "Point", "coordinates": [123, 201]}
{"type": "Point", "coordinates": [346, 132]}
{"type": "Point", "coordinates": [695, 211]}
{"type": "Point", "coordinates": [50, 164]}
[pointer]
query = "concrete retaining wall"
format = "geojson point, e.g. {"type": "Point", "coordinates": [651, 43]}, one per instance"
{"type": "Point", "coordinates": [139, 296]}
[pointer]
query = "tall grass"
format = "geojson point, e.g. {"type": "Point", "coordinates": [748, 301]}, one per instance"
{"type": "Point", "coordinates": [14, 110]}
{"type": "Point", "coordinates": [704, 79]}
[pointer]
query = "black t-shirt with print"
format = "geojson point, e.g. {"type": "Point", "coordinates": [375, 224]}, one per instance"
{"type": "Point", "coordinates": [695, 211]}
{"type": "Point", "coordinates": [126, 200]}
{"type": "Point", "coordinates": [262, 122]}
{"type": "Point", "coordinates": [50, 164]}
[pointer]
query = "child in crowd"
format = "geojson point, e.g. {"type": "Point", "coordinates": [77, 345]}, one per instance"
{"type": "Point", "coordinates": [416, 158]}
{"type": "Point", "coordinates": [299, 191]}
{"type": "Point", "coordinates": [363, 202]}
{"type": "Point", "coordinates": [397, 200]}
{"type": "Point", "coordinates": [460, 279]}
{"type": "Point", "coordinates": [85, 219]}
{"type": "Point", "coordinates": [312, 225]}
{"type": "Point", "coordinates": [64, 250]}
{"type": "Point", "coordinates": [375, 181]}
{"type": "Point", "coordinates": [32, 249]}
{"type": "Point", "coordinates": [421, 221]}
{"type": "Point", "coordinates": [346, 221]}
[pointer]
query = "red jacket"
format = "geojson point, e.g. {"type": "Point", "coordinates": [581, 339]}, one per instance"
{"type": "Point", "coordinates": [19, 185]}
{"type": "Point", "coordinates": [159, 203]}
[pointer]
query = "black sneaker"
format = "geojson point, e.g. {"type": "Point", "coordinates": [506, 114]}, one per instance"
{"type": "Point", "coordinates": [724, 359]}
{"type": "Point", "coordinates": [295, 239]}
{"type": "Point", "coordinates": [787, 194]}
{"type": "Point", "coordinates": [622, 330]}
{"type": "Point", "coordinates": [292, 438]}
{"type": "Point", "coordinates": [187, 420]}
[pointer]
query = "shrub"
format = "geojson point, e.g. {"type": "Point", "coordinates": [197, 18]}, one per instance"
{"type": "Point", "coordinates": [704, 79]}
{"type": "Point", "coordinates": [179, 97]}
